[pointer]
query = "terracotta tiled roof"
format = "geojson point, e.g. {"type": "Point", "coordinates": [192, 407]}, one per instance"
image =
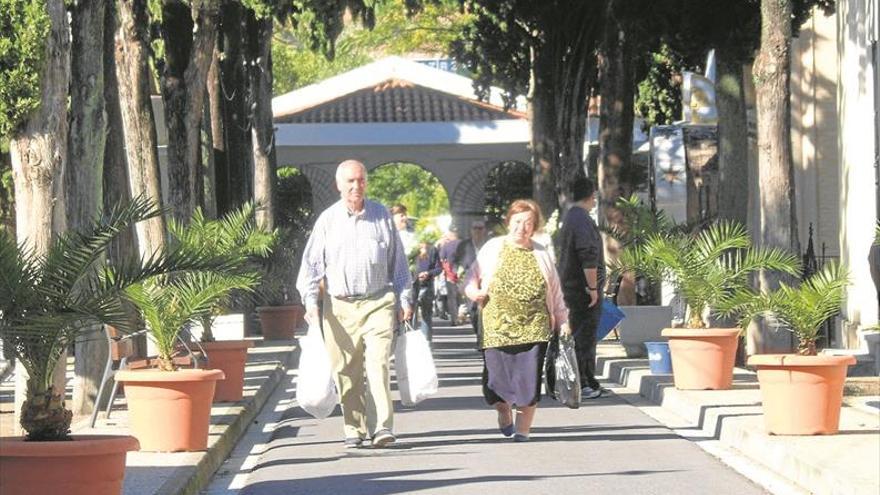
{"type": "Point", "coordinates": [396, 100]}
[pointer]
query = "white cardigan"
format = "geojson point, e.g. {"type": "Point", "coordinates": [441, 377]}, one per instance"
{"type": "Point", "coordinates": [484, 269]}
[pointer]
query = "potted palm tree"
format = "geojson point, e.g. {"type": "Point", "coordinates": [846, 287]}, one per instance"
{"type": "Point", "coordinates": [801, 393]}
{"type": "Point", "coordinates": [644, 320]}
{"type": "Point", "coordinates": [169, 303]}
{"type": "Point", "coordinates": [46, 301]}
{"type": "Point", "coordinates": [706, 268]}
{"type": "Point", "coordinates": [237, 237]}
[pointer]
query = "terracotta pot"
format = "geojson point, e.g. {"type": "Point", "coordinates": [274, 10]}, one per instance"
{"type": "Point", "coordinates": [279, 322]}
{"type": "Point", "coordinates": [801, 395]}
{"type": "Point", "coordinates": [702, 358]}
{"type": "Point", "coordinates": [88, 465]}
{"type": "Point", "coordinates": [228, 356]}
{"type": "Point", "coordinates": [170, 411]}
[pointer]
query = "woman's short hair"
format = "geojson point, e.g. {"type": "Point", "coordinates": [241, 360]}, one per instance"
{"type": "Point", "coordinates": [521, 205]}
{"type": "Point", "coordinates": [398, 208]}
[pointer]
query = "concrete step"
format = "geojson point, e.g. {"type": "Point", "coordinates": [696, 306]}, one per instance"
{"type": "Point", "coordinates": [834, 464]}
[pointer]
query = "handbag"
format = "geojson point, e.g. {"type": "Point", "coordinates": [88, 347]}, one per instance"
{"type": "Point", "coordinates": [315, 389]}
{"type": "Point", "coordinates": [414, 366]}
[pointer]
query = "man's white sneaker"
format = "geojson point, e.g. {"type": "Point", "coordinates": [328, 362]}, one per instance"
{"type": "Point", "coordinates": [383, 438]}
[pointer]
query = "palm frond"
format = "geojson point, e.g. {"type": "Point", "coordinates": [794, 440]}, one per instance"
{"type": "Point", "coordinates": [167, 304]}
{"type": "Point", "coordinates": [711, 268]}
{"type": "Point", "coordinates": [70, 259]}
{"type": "Point", "coordinates": [767, 258]}
{"type": "Point", "coordinates": [48, 300]}
{"type": "Point", "coordinates": [721, 237]}
{"type": "Point", "coordinates": [801, 309]}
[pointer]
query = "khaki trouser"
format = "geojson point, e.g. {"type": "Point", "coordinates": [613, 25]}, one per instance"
{"type": "Point", "coordinates": [358, 337]}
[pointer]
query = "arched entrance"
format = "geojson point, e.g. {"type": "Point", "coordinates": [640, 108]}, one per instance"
{"type": "Point", "coordinates": [398, 110]}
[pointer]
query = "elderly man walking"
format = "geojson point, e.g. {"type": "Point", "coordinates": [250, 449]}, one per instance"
{"type": "Point", "coordinates": [356, 250]}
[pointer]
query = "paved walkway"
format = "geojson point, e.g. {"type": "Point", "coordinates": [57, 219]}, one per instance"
{"type": "Point", "coordinates": [450, 444]}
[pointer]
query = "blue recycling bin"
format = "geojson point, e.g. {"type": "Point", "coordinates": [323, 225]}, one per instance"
{"type": "Point", "coordinates": [659, 358]}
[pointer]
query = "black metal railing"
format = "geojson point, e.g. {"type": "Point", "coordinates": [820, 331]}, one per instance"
{"type": "Point", "coordinates": [812, 263]}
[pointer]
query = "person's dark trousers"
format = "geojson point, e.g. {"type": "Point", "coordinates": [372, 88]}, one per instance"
{"type": "Point", "coordinates": [583, 321]}
{"type": "Point", "coordinates": [426, 309]}
{"type": "Point", "coordinates": [476, 323]}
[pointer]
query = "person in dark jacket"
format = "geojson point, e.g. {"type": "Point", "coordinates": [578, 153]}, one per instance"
{"type": "Point", "coordinates": [582, 273]}
{"type": "Point", "coordinates": [465, 256]}
{"type": "Point", "coordinates": [426, 267]}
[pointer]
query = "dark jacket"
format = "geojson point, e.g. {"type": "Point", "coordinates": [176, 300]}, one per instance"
{"type": "Point", "coordinates": [430, 264]}
{"type": "Point", "coordinates": [579, 247]}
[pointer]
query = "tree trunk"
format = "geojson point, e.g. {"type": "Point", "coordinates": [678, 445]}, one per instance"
{"type": "Point", "coordinates": [262, 130]}
{"type": "Point", "coordinates": [214, 117]}
{"type": "Point", "coordinates": [234, 171]}
{"type": "Point", "coordinates": [115, 175]}
{"type": "Point", "coordinates": [189, 34]}
{"type": "Point", "coordinates": [616, 114]}
{"type": "Point", "coordinates": [543, 144]}
{"type": "Point", "coordinates": [38, 150]}
{"type": "Point", "coordinates": [778, 226]}
{"type": "Point", "coordinates": [136, 110]}
{"type": "Point", "coordinates": [733, 140]}
{"type": "Point", "coordinates": [562, 76]}
{"type": "Point", "coordinates": [83, 175]}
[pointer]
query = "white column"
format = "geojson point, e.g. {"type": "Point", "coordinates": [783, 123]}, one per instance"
{"type": "Point", "coordinates": [856, 155]}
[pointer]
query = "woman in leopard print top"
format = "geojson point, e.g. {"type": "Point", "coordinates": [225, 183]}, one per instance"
{"type": "Point", "coordinates": [516, 284]}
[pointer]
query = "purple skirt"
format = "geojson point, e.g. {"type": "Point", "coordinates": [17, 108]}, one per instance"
{"type": "Point", "coordinates": [512, 374]}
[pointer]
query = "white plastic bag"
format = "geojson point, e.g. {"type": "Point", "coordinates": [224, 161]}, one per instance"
{"type": "Point", "coordinates": [315, 389]}
{"type": "Point", "coordinates": [414, 365]}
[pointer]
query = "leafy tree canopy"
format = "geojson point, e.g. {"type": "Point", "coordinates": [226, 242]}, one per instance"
{"type": "Point", "coordinates": [297, 61]}
{"type": "Point", "coordinates": [693, 28]}
{"type": "Point", "coordinates": [504, 184]}
{"type": "Point", "coordinates": [412, 186]}
{"type": "Point", "coordinates": [24, 27]}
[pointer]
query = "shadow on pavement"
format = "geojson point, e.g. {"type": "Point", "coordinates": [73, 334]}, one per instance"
{"type": "Point", "coordinates": [391, 482]}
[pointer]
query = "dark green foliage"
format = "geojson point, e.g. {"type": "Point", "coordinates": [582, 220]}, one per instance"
{"type": "Point", "coordinates": [658, 98]}
{"type": "Point", "coordinates": [733, 27]}
{"type": "Point", "coordinates": [323, 20]}
{"type": "Point", "coordinates": [7, 193]}
{"type": "Point", "coordinates": [505, 183]}
{"type": "Point", "coordinates": [293, 220]}
{"type": "Point", "coordinates": [293, 196]}
{"type": "Point", "coordinates": [24, 26]}
{"type": "Point", "coordinates": [495, 46]}
{"type": "Point", "coordinates": [429, 30]}
{"type": "Point", "coordinates": [411, 185]}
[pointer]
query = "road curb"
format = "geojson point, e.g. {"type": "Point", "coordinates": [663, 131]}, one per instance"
{"type": "Point", "coordinates": [844, 463]}
{"type": "Point", "coordinates": [192, 480]}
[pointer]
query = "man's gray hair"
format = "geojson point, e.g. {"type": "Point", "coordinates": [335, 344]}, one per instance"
{"type": "Point", "coordinates": [348, 164]}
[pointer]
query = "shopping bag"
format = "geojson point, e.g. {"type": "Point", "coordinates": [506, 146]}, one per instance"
{"type": "Point", "coordinates": [562, 379]}
{"type": "Point", "coordinates": [611, 316]}
{"type": "Point", "coordinates": [414, 366]}
{"type": "Point", "coordinates": [315, 389]}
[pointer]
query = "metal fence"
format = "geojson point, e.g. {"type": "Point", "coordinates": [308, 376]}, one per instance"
{"type": "Point", "coordinates": [812, 263]}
